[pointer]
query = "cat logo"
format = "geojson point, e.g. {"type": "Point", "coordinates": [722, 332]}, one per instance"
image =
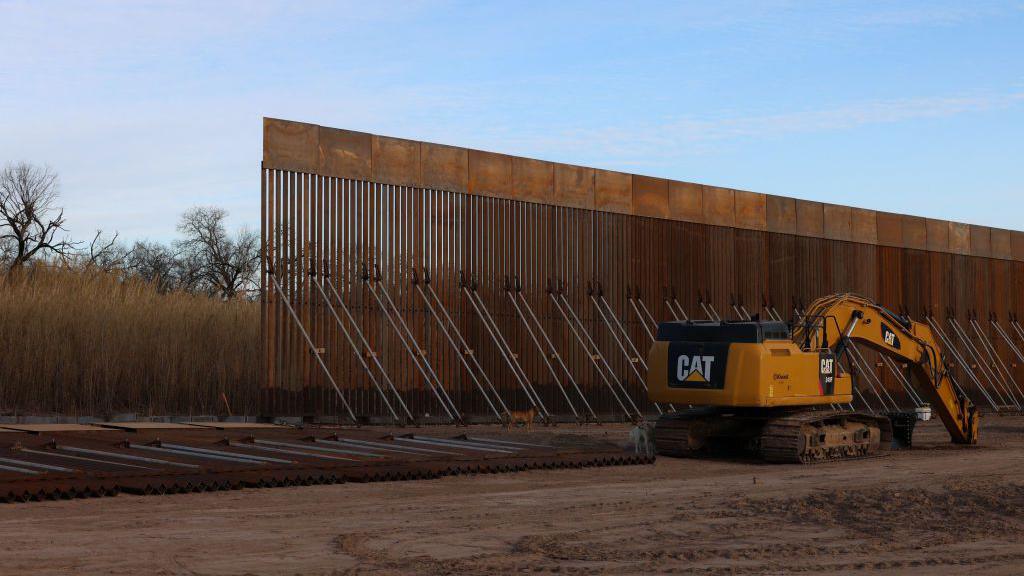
{"type": "Point", "coordinates": [695, 368]}
{"type": "Point", "coordinates": [890, 337]}
{"type": "Point", "coordinates": [827, 365]}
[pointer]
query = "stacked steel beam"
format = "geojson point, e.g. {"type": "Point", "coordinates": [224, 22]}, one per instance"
{"type": "Point", "coordinates": [47, 462]}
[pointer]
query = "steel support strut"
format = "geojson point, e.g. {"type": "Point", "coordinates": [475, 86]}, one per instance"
{"type": "Point", "coordinates": [312, 347]}
{"type": "Point", "coordinates": [594, 353]}
{"type": "Point", "coordinates": [447, 327]}
{"type": "Point", "coordinates": [964, 365]}
{"type": "Point", "coordinates": [411, 346]}
{"type": "Point", "coordinates": [635, 302]}
{"type": "Point", "coordinates": [366, 344]}
{"type": "Point", "coordinates": [873, 379]}
{"type": "Point", "coordinates": [614, 326]}
{"type": "Point", "coordinates": [506, 352]}
{"type": "Point", "coordinates": [533, 337]}
{"type": "Point", "coordinates": [894, 370]}
{"type": "Point", "coordinates": [997, 362]}
{"type": "Point", "coordinates": [362, 361]}
{"type": "Point", "coordinates": [525, 305]}
{"type": "Point", "coordinates": [975, 355]}
{"type": "Point", "coordinates": [1009, 341]}
{"type": "Point", "coordinates": [476, 362]}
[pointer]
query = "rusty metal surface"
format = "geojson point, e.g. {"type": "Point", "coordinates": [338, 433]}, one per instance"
{"type": "Point", "coordinates": [63, 465]}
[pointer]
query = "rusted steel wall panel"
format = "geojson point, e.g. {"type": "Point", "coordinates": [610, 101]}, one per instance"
{"type": "Point", "coordinates": [1017, 245]}
{"type": "Point", "coordinates": [780, 214]}
{"type": "Point", "coordinates": [444, 167]}
{"type": "Point", "coordinates": [959, 238]}
{"type": "Point", "coordinates": [291, 145]}
{"type": "Point", "coordinates": [574, 186]}
{"type": "Point", "coordinates": [889, 229]}
{"type": "Point", "coordinates": [344, 153]}
{"type": "Point", "coordinates": [650, 197]}
{"type": "Point", "coordinates": [915, 233]}
{"type": "Point", "coordinates": [1002, 247]}
{"type": "Point", "coordinates": [719, 206]}
{"type": "Point", "coordinates": [490, 174]}
{"type": "Point", "coordinates": [838, 223]}
{"type": "Point", "coordinates": [981, 241]}
{"type": "Point", "coordinates": [938, 235]}
{"type": "Point", "coordinates": [864, 226]}
{"type": "Point", "coordinates": [533, 180]}
{"type": "Point", "coordinates": [686, 201]}
{"type": "Point", "coordinates": [397, 161]}
{"type": "Point", "coordinates": [751, 210]}
{"type": "Point", "coordinates": [810, 219]}
{"type": "Point", "coordinates": [613, 192]}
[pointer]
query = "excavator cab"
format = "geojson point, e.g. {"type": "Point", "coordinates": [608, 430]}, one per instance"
{"type": "Point", "coordinates": [741, 364]}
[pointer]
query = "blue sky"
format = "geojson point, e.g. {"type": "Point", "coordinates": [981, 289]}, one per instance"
{"type": "Point", "coordinates": [147, 108]}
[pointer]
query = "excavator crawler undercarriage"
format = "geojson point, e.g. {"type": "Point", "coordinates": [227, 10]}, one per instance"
{"type": "Point", "coordinates": [793, 436]}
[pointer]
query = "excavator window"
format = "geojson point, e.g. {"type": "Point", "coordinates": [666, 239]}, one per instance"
{"type": "Point", "coordinates": [742, 332]}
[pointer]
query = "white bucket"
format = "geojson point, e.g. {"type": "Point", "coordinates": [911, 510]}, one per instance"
{"type": "Point", "coordinates": [923, 412]}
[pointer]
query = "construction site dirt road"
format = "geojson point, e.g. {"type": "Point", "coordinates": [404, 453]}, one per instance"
{"type": "Point", "coordinates": [937, 509]}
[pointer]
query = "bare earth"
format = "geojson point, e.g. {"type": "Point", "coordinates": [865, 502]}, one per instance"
{"type": "Point", "coordinates": [938, 509]}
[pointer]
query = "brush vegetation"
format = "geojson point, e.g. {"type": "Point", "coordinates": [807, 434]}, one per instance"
{"type": "Point", "coordinates": [94, 342]}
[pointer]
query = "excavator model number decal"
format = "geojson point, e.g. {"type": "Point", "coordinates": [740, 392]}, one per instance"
{"type": "Point", "coordinates": [827, 373]}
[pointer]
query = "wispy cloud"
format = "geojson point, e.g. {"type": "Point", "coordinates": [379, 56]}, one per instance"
{"type": "Point", "coordinates": [650, 143]}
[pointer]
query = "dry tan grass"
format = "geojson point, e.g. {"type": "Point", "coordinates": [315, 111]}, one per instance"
{"type": "Point", "coordinates": [86, 342]}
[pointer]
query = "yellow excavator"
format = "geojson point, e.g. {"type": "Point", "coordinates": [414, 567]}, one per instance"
{"type": "Point", "coordinates": [777, 390]}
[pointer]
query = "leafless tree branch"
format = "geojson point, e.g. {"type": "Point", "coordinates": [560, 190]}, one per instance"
{"type": "Point", "coordinates": [29, 217]}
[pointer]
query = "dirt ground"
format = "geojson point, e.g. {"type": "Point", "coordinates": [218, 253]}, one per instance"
{"type": "Point", "coordinates": [937, 509]}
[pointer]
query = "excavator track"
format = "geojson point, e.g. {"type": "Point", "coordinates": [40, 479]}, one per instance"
{"type": "Point", "coordinates": [804, 436]}
{"type": "Point", "coordinates": [812, 437]}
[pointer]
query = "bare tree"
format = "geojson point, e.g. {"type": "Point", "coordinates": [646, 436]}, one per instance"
{"type": "Point", "coordinates": [153, 262]}
{"type": "Point", "coordinates": [102, 253]}
{"type": "Point", "coordinates": [29, 217]}
{"type": "Point", "coordinates": [228, 264]}
{"type": "Point", "coordinates": [190, 271]}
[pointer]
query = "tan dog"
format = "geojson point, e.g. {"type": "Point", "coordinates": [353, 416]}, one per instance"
{"type": "Point", "coordinates": [524, 416]}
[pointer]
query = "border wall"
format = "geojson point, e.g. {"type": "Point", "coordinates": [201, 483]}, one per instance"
{"type": "Point", "coordinates": [405, 278]}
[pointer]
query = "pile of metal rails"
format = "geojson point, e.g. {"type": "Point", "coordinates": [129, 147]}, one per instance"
{"type": "Point", "coordinates": [57, 461]}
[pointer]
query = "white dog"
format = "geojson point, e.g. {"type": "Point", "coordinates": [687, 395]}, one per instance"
{"type": "Point", "coordinates": [642, 437]}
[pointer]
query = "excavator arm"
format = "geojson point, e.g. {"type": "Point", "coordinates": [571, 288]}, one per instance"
{"type": "Point", "coordinates": [834, 321]}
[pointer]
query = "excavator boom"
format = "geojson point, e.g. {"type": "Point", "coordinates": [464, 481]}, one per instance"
{"type": "Point", "coordinates": [833, 321]}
